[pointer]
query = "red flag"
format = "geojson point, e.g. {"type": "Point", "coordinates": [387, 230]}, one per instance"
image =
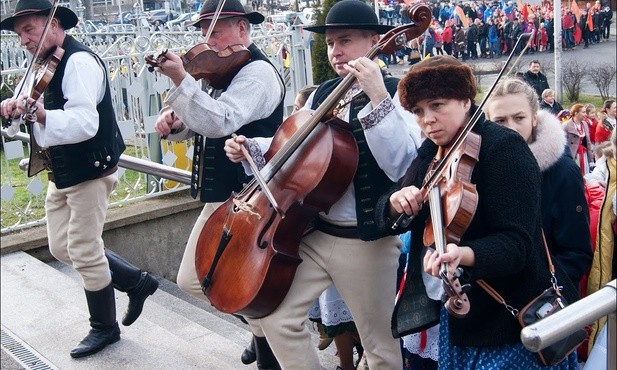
{"type": "Point", "coordinates": [525, 12]}
{"type": "Point", "coordinates": [575, 10]}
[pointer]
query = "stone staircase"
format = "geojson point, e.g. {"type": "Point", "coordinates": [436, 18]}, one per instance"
{"type": "Point", "coordinates": [44, 315]}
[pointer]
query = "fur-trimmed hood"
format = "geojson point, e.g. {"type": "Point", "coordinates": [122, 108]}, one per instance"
{"type": "Point", "coordinates": [550, 140]}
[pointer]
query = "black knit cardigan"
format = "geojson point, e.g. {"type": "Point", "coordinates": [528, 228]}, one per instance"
{"type": "Point", "coordinates": [505, 235]}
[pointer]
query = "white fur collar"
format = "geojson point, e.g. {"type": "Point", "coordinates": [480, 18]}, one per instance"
{"type": "Point", "coordinates": [550, 140]}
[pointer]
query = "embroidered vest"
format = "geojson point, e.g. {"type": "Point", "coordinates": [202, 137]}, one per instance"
{"type": "Point", "coordinates": [214, 176]}
{"type": "Point", "coordinates": [72, 164]}
{"type": "Point", "coordinates": [370, 182]}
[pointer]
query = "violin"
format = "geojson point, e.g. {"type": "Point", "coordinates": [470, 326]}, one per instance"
{"type": "Point", "coordinates": [37, 76]}
{"type": "Point", "coordinates": [247, 251]}
{"type": "Point", "coordinates": [203, 62]}
{"type": "Point", "coordinates": [453, 202]}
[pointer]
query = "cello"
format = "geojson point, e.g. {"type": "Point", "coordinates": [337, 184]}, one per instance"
{"type": "Point", "coordinates": [247, 251]}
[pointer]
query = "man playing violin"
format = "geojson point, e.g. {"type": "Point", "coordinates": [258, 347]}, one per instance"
{"type": "Point", "coordinates": [346, 249]}
{"type": "Point", "coordinates": [503, 244]}
{"type": "Point", "coordinates": [251, 105]}
{"type": "Point", "coordinates": [75, 125]}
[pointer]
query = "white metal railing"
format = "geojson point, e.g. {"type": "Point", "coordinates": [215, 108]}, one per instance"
{"type": "Point", "coordinates": [137, 96]}
{"type": "Point", "coordinates": [574, 317]}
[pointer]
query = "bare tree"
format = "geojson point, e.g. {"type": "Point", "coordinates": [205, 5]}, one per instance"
{"type": "Point", "coordinates": [602, 76]}
{"type": "Point", "coordinates": [572, 77]}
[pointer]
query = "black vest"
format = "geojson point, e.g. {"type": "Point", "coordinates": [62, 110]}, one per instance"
{"type": "Point", "coordinates": [370, 181]}
{"type": "Point", "coordinates": [220, 176]}
{"type": "Point", "coordinates": [73, 164]}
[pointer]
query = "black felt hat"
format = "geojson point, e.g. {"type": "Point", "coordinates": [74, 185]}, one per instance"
{"type": "Point", "coordinates": [351, 14]}
{"type": "Point", "coordinates": [67, 18]}
{"type": "Point", "coordinates": [231, 8]}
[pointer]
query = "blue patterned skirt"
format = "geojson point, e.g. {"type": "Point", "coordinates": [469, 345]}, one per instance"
{"type": "Point", "coordinates": [506, 357]}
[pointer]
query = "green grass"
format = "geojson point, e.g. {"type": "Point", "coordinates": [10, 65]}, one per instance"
{"type": "Point", "coordinates": [25, 207]}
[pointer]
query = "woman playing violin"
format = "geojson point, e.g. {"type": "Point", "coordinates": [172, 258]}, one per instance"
{"type": "Point", "coordinates": [75, 125]}
{"type": "Point", "coordinates": [503, 243]}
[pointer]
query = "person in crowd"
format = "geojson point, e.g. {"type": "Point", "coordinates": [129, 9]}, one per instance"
{"type": "Point", "coordinates": [567, 27]}
{"type": "Point", "coordinates": [565, 216]}
{"type": "Point", "coordinates": [460, 42]}
{"type": "Point", "coordinates": [493, 39]}
{"type": "Point", "coordinates": [211, 116]}
{"type": "Point", "coordinates": [75, 125]}
{"type": "Point", "coordinates": [472, 39]}
{"type": "Point", "coordinates": [345, 249]}
{"type": "Point", "coordinates": [503, 244]}
{"type": "Point", "coordinates": [607, 123]}
{"type": "Point", "coordinates": [606, 15]}
{"type": "Point", "coordinates": [535, 78]}
{"type": "Point", "coordinates": [604, 259]}
{"type": "Point", "coordinates": [579, 142]}
{"type": "Point", "coordinates": [592, 121]}
{"type": "Point", "coordinates": [333, 318]}
{"type": "Point", "coordinates": [515, 32]}
{"type": "Point", "coordinates": [549, 103]}
{"type": "Point", "coordinates": [447, 37]}
{"type": "Point", "coordinates": [542, 38]}
{"type": "Point", "coordinates": [601, 152]}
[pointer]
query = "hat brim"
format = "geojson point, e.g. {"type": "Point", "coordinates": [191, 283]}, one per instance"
{"type": "Point", "coordinates": [67, 17]}
{"type": "Point", "coordinates": [379, 28]}
{"type": "Point", "coordinates": [253, 18]}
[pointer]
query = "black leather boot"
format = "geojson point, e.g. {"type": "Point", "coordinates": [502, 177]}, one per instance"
{"type": "Point", "coordinates": [104, 327]}
{"type": "Point", "coordinates": [129, 279]}
{"type": "Point", "coordinates": [265, 357]}
{"type": "Point", "coordinates": [249, 356]}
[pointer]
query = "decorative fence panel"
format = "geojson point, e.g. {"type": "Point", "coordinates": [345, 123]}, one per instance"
{"type": "Point", "coordinates": [138, 96]}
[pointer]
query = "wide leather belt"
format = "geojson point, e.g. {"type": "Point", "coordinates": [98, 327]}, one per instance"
{"type": "Point", "coordinates": [50, 175]}
{"type": "Point", "coordinates": [348, 232]}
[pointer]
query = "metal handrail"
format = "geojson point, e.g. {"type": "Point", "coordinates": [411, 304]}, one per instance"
{"type": "Point", "coordinates": [129, 162]}
{"type": "Point", "coordinates": [583, 312]}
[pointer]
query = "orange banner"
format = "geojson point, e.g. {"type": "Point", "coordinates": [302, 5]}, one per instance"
{"type": "Point", "coordinates": [575, 10]}
{"type": "Point", "coordinates": [461, 14]}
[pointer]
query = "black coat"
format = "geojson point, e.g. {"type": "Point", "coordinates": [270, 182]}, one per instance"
{"type": "Point", "coordinates": [537, 81]}
{"type": "Point", "coordinates": [505, 235]}
{"type": "Point", "coordinates": [556, 108]}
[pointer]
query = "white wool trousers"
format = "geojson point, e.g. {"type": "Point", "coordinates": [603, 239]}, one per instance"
{"type": "Point", "coordinates": [75, 220]}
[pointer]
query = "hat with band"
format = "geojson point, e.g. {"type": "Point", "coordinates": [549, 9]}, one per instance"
{"type": "Point", "coordinates": [24, 8]}
{"type": "Point", "coordinates": [351, 14]}
{"type": "Point", "coordinates": [231, 8]}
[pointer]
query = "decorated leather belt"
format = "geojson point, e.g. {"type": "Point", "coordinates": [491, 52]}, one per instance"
{"type": "Point", "coordinates": [348, 232]}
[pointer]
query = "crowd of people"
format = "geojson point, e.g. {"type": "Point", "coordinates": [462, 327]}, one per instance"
{"type": "Point", "coordinates": [541, 176]}
{"type": "Point", "coordinates": [490, 29]}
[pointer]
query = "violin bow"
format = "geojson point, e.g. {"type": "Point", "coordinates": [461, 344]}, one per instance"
{"type": "Point", "coordinates": [404, 220]}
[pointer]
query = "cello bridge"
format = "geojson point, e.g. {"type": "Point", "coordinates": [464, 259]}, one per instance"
{"type": "Point", "coordinates": [246, 207]}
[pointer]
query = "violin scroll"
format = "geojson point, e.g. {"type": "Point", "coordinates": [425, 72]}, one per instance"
{"type": "Point", "coordinates": [394, 39]}
{"type": "Point", "coordinates": [457, 303]}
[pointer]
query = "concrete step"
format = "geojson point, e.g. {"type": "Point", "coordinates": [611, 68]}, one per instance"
{"type": "Point", "coordinates": [43, 305]}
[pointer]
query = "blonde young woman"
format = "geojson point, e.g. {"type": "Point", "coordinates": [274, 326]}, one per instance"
{"type": "Point", "coordinates": [565, 215]}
